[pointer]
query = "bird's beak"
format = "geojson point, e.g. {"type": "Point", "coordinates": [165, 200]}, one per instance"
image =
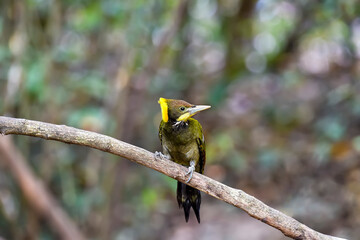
{"type": "Point", "coordinates": [192, 111]}
{"type": "Point", "coordinates": [198, 108]}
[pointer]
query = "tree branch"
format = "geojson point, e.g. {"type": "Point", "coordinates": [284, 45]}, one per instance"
{"type": "Point", "coordinates": [238, 198]}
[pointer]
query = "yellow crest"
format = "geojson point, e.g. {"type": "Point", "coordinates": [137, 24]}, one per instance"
{"type": "Point", "coordinates": [164, 109]}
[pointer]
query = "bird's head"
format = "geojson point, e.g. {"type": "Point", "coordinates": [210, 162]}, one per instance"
{"type": "Point", "coordinates": [178, 110]}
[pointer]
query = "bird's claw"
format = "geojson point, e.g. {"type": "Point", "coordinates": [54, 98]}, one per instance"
{"type": "Point", "coordinates": [160, 155]}
{"type": "Point", "coordinates": [190, 171]}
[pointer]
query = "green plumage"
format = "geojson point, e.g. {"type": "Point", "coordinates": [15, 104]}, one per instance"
{"type": "Point", "coordinates": [183, 142]}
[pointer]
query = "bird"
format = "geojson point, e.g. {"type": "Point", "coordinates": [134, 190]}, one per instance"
{"type": "Point", "coordinates": [182, 141]}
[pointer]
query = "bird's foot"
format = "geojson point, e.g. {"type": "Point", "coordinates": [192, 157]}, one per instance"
{"type": "Point", "coordinates": [160, 155]}
{"type": "Point", "coordinates": [190, 171]}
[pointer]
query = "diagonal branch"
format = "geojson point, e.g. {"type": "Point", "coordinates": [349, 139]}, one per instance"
{"type": "Point", "coordinates": [238, 198]}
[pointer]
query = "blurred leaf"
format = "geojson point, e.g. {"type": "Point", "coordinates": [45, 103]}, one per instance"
{"type": "Point", "coordinates": [92, 83]}
{"type": "Point", "coordinates": [88, 17]}
{"type": "Point", "coordinates": [90, 118]}
{"type": "Point", "coordinates": [225, 142]}
{"type": "Point", "coordinates": [269, 158]}
{"type": "Point", "coordinates": [217, 93]}
{"type": "Point", "coordinates": [355, 105]}
{"type": "Point", "coordinates": [339, 94]}
{"type": "Point", "coordinates": [149, 197]}
{"type": "Point", "coordinates": [169, 182]}
{"type": "Point", "coordinates": [35, 81]}
{"type": "Point", "coordinates": [4, 53]}
{"type": "Point", "coordinates": [356, 143]}
{"type": "Point", "coordinates": [86, 201]}
{"type": "Point", "coordinates": [341, 150]}
{"type": "Point", "coordinates": [237, 162]}
{"type": "Point", "coordinates": [73, 48]}
{"type": "Point", "coordinates": [322, 151]}
{"type": "Point", "coordinates": [332, 128]}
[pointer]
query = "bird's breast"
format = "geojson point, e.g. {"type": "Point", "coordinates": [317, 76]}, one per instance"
{"type": "Point", "coordinates": [181, 153]}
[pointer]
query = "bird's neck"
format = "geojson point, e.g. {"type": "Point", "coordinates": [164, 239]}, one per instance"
{"type": "Point", "coordinates": [179, 125]}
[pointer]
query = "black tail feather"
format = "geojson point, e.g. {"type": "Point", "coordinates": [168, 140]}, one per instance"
{"type": "Point", "coordinates": [188, 197]}
{"type": "Point", "coordinates": [187, 206]}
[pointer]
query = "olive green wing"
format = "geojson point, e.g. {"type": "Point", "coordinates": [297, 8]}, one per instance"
{"type": "Point", "coordinates": [161, 129]}
{"type": "Point", "coordinates": [202, 158]}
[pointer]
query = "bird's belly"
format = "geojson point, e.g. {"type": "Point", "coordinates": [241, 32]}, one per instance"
{"type": "Point", "coordinates": [182, 154]}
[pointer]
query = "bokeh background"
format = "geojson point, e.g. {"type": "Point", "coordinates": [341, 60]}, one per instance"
{"type": "Point", "coordinates": [282, 78]}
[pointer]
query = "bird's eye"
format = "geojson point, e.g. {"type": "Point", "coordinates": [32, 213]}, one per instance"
{"type": "Point", "coordinates": [182, 108]}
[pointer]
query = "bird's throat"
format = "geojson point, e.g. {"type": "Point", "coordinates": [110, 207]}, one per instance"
{"type": "Point", "coordinates": [178, 125]}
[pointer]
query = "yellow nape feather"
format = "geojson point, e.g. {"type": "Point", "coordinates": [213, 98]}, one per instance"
{"type": "Point", "coordinates": [164, 109]}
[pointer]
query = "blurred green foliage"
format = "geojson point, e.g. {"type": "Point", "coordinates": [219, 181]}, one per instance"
{"type": "Point", "coordinates": [282, 77]}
